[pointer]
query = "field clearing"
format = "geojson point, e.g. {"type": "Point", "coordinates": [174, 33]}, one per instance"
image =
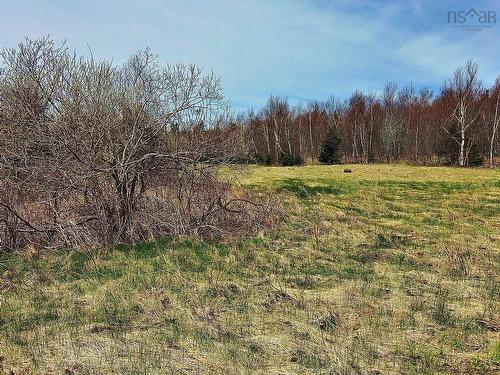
{"type": "Point", "coordinates": [388, 269]}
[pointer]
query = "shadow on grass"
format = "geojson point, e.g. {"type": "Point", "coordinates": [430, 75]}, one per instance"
{"type": "Point", "coordinates": [302, 188]}
{"type": "Point", "coordinates": [427, 187]}
{"type": "Point", "coordinates": [303, 191]}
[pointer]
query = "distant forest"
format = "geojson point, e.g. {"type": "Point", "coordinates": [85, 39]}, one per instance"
{"type": "Point", "coordinates": [458, 126]}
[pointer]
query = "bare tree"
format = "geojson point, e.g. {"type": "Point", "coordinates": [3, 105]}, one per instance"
{"type": "Point", "coordinates": [465, 87]}
{"type": "Point", "coordinates": [276, 115]}
{"type": "Point", "coordinates": [492, 118]}
{"type": "Point", "coordinates": [423, 104]}
{"type": "Point", "coordinates": [93, 153]}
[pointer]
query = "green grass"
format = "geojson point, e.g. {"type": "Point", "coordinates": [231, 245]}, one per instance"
{"type": "Point", "coordinates": [391, 268]}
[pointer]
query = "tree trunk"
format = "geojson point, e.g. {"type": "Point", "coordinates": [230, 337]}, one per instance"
{"type": "Point", "coordinates": [416, 143]}
{"type": "Point", "coordinates": [496, 121]}
{"type": "Point", "coordinates": [277, 145]}
{"type": "Point", "coordinates": [492, 141]}
{"type": "Point", "coordinates": [461, 156]}
{"type": "Point", "coordinates": [126, 196]}
{"type": "Point", "coordinates": [300, 138]}
{"type": "Point", "coordinates": [311, 137]}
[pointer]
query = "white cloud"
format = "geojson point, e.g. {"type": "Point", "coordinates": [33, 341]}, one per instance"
{"type": "Point", "coordinates": [299, 49]}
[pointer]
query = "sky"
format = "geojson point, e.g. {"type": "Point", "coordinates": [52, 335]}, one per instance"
{"type": "Point", "coordinates": [303, 50]}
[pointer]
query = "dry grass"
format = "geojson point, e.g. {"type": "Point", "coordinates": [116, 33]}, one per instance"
{"type": "Point", "coordinates": [389, 269]}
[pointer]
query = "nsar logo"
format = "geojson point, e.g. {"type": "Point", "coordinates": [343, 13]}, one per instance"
{"type": "Point", "coordinates": [472, 19]}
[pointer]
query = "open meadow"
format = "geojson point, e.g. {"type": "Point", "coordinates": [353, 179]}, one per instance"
{"type": "Point", "coordinates": [390, 269]}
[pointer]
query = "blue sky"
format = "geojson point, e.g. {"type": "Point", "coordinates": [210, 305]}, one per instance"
{"type": "Point", "coordinates": [302, 50]}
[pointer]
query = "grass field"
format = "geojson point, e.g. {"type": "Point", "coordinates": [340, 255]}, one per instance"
{"type": "Point", "coordinates": [389, 269]}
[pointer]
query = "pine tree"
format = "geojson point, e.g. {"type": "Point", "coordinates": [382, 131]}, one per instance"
{"type": "Point", "coordinates": [288, 160]}
{"type": "Point", "coordinates": [331, 152]}
{"type": "Point", "coordinates": [474, 158]}
{"type": "Point", "coordinates": [448, 148]}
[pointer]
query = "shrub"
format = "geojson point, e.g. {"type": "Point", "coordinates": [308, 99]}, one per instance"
{"type": "Point", "coordinates": [448, 148]}
{"type": "Point", "coordinates": [474, 158]}
{"type": "Point", "coordinates": [263, 160]}
{"type": "Point", "coordinates": [288, 160]}
{"type": "Point", "coordinates": [93, 154]}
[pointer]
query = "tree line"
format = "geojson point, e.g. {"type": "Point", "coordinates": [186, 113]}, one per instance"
{"type": "Point", "coordinates": [458, 126]}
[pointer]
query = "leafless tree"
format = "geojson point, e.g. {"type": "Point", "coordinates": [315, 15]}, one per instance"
{"type": "Point", "coordinates": [423, 104]}
{"type": "Point", "coordinates": [465, 87]}
{"type": "Point", "coordinates": [492, 118]}
{"type": "Point", "coordinates": [93, 153]}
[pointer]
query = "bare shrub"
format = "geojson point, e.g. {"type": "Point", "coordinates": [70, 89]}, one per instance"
{"type": "Point", "coordinates": [94, 154]}
{"type": "Point", "coordinates": [198, 203]}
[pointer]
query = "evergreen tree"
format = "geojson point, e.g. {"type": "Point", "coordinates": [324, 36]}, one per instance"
{"type": "Point", "coordinates": [474, 159]}
{"type": "Point", "coordinates": [331, 152]}
{"type": "Point", "coordinates": [448, 148]}
{"type": "Point", "coordinates": [288, 160]}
